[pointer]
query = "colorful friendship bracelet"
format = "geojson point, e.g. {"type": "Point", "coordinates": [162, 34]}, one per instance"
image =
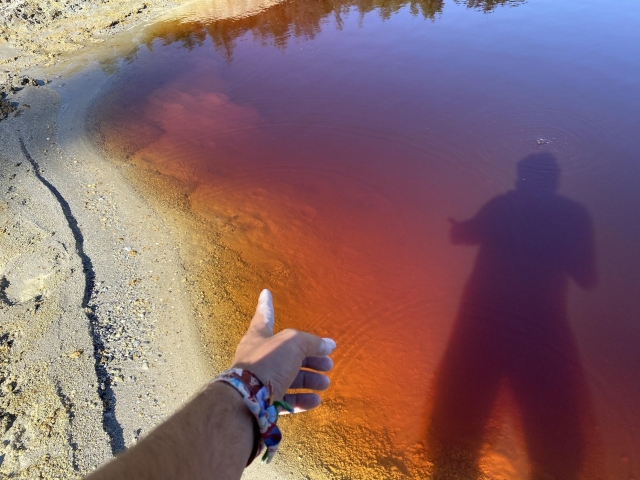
{"type": "Point", "coordinates": [259, 400]}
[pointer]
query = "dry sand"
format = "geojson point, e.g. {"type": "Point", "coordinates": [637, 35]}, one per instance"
{"type": "Point", "coordinates": [98, 340]}
{"type": "Point", "coordinates": [37, 34]}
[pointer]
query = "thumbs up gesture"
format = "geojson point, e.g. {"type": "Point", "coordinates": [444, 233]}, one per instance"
{"type": "Point", "coordinates": [289, 359]}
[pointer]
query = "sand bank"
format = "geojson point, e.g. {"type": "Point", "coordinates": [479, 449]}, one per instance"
{"type": "Point", "coordinates": [98, 340]}
{"type": "Point", "coordinates": [102, 297]}
{"type": "Point", "coordinates": [37, 35]}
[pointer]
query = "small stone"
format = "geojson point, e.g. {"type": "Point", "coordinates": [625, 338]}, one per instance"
{"type": "Point", "coordinates": [6, 107]}
{"type": "Point", "coordinates": [76, 354]}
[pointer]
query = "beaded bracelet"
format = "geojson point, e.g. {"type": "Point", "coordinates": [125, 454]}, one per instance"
{"type": "Point", "coordinates": [259, 400]}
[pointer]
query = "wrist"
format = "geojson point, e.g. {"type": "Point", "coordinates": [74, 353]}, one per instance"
{"type": "Point", "coordinates": [231, 420]}
{"type": "Point", "coordinates": [260, 401]}
{"type": "Point", "coordinates": [225, 393]}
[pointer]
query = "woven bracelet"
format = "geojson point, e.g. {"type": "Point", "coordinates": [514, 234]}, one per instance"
{"type": "Point", "coordinates": [259, 400]}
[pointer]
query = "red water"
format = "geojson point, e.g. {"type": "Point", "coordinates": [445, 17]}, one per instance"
{"type": "Point", "coordinates": [333, 150]}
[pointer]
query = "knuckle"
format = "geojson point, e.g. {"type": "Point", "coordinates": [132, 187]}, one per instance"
{"type": "Point", "coordinates": [290, 333]}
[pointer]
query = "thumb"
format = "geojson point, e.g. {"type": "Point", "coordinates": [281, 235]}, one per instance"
{"type": "Point", "coordinates": [264, 318]}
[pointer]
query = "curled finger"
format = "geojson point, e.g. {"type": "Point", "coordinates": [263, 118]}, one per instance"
{"type": "Point", "coordinates": [301, 402]}
{"type": "Point", "coordinates": [321, 364]}
{"type": "Point", "coordinates": [310, 381]}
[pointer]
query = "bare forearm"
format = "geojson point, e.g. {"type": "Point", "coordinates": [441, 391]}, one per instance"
{"type": "Point", "coordinates": [211, 437]}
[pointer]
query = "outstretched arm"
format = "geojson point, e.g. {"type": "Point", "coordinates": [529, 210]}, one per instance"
{"type": "Point", "coordinates": [213, 435]}
{"type": "Point", "coordinates": [475, 230]}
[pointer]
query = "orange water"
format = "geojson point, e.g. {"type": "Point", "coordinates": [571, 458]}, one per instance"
{"type": "Point", "coordinates": [329, 149]}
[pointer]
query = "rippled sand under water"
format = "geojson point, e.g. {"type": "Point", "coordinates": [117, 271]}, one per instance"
{"type": "Point", "coordinates": [321, 149]}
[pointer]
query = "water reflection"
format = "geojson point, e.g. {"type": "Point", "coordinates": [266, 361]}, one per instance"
{"type": "Point", "coordinates": [512, 328]}
{"type": "Point", "coordinates": [292, 18]}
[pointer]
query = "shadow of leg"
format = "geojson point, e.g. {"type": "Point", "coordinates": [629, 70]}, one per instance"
{"type": "Point", "coordinates": [467, 385]}
{"type": "Point", "coordinates": [549, 399]}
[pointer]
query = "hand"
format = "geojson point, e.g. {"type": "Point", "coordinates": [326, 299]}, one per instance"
{"type": "Point", "coordinates": [280, 358]}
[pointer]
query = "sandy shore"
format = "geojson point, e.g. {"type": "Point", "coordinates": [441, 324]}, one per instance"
{"type": "Point", "coordinates": [98, 340]}
{"type": "Point", "coordinates": [102, 311]}
{"type": "Point", "coordinates": [36, 35]}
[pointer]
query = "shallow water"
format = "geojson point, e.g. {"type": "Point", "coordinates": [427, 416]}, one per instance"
{"type": "Point", "coordinates": [336, 146]}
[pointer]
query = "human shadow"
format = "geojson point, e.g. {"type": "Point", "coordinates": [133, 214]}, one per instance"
{"type": "Point", "coordinates": [513, 328]}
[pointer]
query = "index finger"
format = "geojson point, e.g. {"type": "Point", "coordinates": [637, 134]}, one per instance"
{"type": "Point", "coordinates": [314, 346]}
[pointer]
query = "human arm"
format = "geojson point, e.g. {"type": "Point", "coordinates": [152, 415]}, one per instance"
{"type": "Point", "coordinates": [477, 229]}
{"type": "Point", "coordinates": [213, 435]}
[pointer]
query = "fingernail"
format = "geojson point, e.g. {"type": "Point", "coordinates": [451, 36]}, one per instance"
{"type": "Point", "coordinates": [265, 308]}
{"type": "Point", "coordinates": [328, 346]}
